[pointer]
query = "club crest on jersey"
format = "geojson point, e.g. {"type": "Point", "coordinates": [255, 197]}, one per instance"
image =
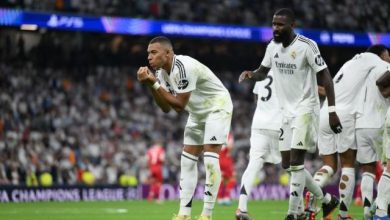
{"type": "Point", "coordinates": [293, 54]}
{"type": "Point", "coordinates": [276, 55]}
{"type": "Point", "coordinates": [182, 84]}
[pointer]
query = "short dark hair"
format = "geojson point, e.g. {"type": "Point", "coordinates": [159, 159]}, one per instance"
{"type": "Point", "coordinates": [161, 40]}
{"type": "Point", "coordinates": [377, 49]}
{"type": "Point", "coordinates": [286, 12]}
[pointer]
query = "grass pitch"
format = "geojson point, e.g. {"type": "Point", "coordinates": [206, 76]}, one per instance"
{"type": "Point", "coordinates": [139, 210]}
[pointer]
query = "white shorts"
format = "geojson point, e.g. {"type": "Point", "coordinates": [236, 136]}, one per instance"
{"type": "Point", "coordinates": [369, 144]}
{"type": "Point", "coordinates": [386, 138]}
{"type": "Point", "coordinates": [264, 144]}
{"type": "Point", "coordinates": [212, 131]}
{"type": "Point", "coordinates": [299, 133]}
{"type": "Point", "coordinates": [331, 143]}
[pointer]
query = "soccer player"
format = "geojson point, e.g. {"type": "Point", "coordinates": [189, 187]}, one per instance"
{"type": "Point", "coordinates": [265, 133]}
{"type": "Point", "coordinates": [183, 83]}
{"type": "Point", "coordinates": [298, 67]}
{"type": "Point", "coordinates": [349, 81]}
{"type": "Point", "coordinates": [155, 155]}
{"type": "Point", "coordinates": [226, 162]}
{"type": "Point", "coordinates": [369, 129]}
{"type": "Point", "coordinates": [383, 197]}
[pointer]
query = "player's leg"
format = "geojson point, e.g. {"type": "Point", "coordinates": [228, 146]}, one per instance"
{"type": "Point", "coordinates": [216, 131]}
{"type": "Point", "coordinates": [367, 152]}
{"type": "Point", "coordinates": [188, 178]}
{"type": "Point", "coordinates": [367, 187]}
{"type": "Point", "coordinates": [347, 181]}
{"type": "Point", "coordinates": [193, 147]}
{"type": "Point", "coordinates": [347, 149]}
{"type": "Point", "coordinates": [325, 173]}
{"type": "Point", "coordinates": [321, 177]}
{"type": "Point", "coordinates": [328, 152]}
{"type": "Point", "coordinates": [213, 177]}
{"type": "Point", "coordinates": [383, 198]}
{"type": "Point", "coordinates": [261, 142]}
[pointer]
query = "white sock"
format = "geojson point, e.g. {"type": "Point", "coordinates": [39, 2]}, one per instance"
{"type": "Point", "coordinates": [382, 200]}
{"type": "Point", "coordinates": [213, 180]}
{"type": "Point", "coordinates": [312, 186]}
{"type": "Point", "coordinates": [188, 181]}
{"type": "Point", "coordinates": [346, 188]}
{"type": "Point", "coordinates": [297, 184]}
{"type": "Point", "coordinates": [367, 188]}
{"type": "Point", "coordinates": [247, 180]}
{"type": "Point", "coordinates": [323, 175]}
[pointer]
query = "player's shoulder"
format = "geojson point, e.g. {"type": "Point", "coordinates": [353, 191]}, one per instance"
{"type": "Point", "coordinates": [184, 59]}
{"type": "Point", "coordinates": [306, 42]}
{"type": "Point", "coordinates": [272, 43]}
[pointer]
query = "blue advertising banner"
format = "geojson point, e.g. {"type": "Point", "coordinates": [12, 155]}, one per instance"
{"type": "Point", "coordinates": [129, 26]}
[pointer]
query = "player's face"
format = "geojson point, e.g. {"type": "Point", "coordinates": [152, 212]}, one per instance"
{"type": "Point", "coordinates": [281, 27]}
{"type": "Point", "coordinates": [157, 55]}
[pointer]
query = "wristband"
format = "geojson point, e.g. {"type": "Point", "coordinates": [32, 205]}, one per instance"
{"type": "Point", "coordinates": [156, 85]}
{"type": "Point", "coordinates": [331, 109]}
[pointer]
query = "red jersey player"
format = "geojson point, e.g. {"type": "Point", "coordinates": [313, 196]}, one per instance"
{"type": "Point", "coordinates": [155, 155]}
{"type": "Point", "coordinates": [228, 181]}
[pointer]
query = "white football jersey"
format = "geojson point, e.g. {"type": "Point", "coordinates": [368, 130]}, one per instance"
{"type": "Point", "coordinates": [267, 114]}
{"type": "Point", "coordinates": [208, 94]}
{"type": "Point", "coordinates": [295, 68]}
{"type": "Point", "coordinates": [375, 105]}
{"type": "Point", "coordinates": [349, 82]}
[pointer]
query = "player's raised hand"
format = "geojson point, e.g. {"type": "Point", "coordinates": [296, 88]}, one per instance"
{"type": "Point", "coordinates": [143, 74]}
{"type": "Point", "coordinates": [334, 123]}
{"type": "Point", "coordinates": [245, 75]}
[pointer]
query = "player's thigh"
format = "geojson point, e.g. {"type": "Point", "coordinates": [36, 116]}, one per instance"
{"type": "Point", "coordinates": [326, 137]}
{"type": "Point", "coordinates": [194, 132]}
{"type": "Point", "coordinates": [285, 135]}
{"type": "Point", "coordinates": [347, 138]}
{"type": "Point", "coordinates": [305, 132]}
{"type": "Point", "coordinates": [217, 127]}
{"type": "Point", "coordinates": [264, 144]}
{"type": "Point", "coordinates": [369, 145]}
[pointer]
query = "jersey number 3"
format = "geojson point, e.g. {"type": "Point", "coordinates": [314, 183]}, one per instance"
{"type": "Point", "coordinates": [266, 98]}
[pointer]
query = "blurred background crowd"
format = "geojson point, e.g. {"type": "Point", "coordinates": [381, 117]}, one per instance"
{"type": "Point", "coordinates": [70, 102]}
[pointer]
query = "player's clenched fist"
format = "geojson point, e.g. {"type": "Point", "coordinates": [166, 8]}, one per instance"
{"type": "Point", "coordinates": [143, 74]}
{"type": "Point", "coordinates": [245, 75]}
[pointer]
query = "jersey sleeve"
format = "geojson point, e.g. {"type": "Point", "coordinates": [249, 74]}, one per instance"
{"type": "Point", "coordinates": [161, 80]}
{"type": "Point", "coordinates": [314, 57]}
{"type": "Point", "coordinates": [379, 69]}
{"type": "Point", "coordinates": [267, 62]}
{"type": "Point", "coordinates": [187, 77]}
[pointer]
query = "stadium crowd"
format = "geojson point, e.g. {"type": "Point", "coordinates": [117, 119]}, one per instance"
{"type": "Point", "coordinates": [70, 103]}
{"type": "Point", "coordinates": [361, 15]}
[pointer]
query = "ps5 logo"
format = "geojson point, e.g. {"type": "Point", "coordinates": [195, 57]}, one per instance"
{"type": "Point", "coordinates": [65, 21]}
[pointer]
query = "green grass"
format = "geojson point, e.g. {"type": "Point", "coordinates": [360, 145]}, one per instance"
{"type": "Point", "coordinates": [136, 210]}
